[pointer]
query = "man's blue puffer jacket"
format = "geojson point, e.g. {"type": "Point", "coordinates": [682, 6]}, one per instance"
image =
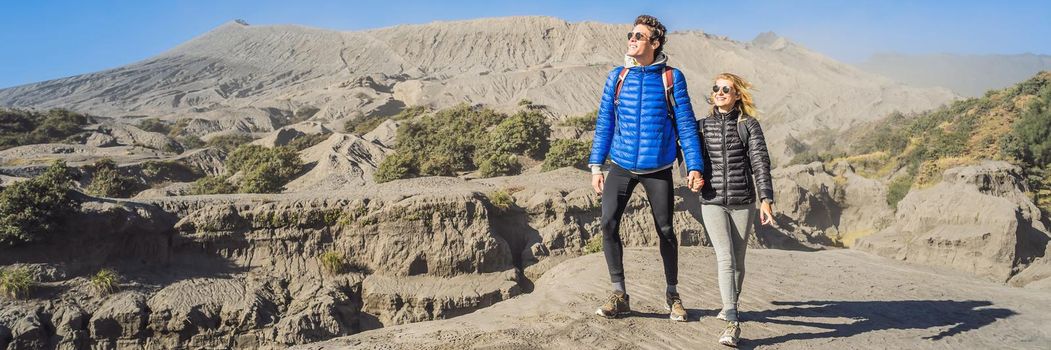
{"type": "Point", "coordinates": [637, 134]}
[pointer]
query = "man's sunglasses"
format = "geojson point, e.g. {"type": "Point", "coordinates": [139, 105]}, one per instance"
{"type": "Point", "coordinates": [726, 89]}
{"type": "Point", "coordinates": [638, 36]}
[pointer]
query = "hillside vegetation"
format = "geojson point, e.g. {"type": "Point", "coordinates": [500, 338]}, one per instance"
{"type": "Point", "coordinates": [1012, 124]}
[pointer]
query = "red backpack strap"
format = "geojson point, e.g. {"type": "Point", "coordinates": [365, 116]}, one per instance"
{"type": "Point", "coordinates": [668, 78]}
{"type": "Point", "coordinates": [620, 83]}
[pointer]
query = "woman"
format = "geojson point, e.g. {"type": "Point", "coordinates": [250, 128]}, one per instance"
{"type": "Point", "coordinates": [740, 165]}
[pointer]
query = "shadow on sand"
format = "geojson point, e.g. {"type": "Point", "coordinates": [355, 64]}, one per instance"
{"type": "Point", "coordinates": [867, 316]}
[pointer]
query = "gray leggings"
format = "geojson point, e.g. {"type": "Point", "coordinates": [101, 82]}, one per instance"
{"type": "Point", "coordinates": [728, 227]}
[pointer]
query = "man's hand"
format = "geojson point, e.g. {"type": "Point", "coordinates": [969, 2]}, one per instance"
{"type": "Point", "coordinates": [694, 181]}
{"type": "Point", "coordinates": [597, 182]}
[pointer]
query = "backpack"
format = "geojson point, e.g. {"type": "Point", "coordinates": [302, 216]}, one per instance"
{"type": "Point", "coordinates": [668, 78]}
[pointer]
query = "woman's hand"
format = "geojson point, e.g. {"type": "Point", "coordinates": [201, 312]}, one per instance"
{"type": "Point", "coordinates": [597, 182]}
{"type": "Point", "coordinates": [766, 214]}
{"type": "Point", "coordinates": [694, 181]}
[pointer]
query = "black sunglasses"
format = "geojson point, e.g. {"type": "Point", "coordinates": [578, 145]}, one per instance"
{"type": "Point", "coordinates": [726, 89]}
{"type": "Point", "coordinates": [638, 36]}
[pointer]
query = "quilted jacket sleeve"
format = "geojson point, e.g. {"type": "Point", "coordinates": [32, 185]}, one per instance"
{"type": "Point", "coordinates": [760, 160]}
{"type": "Point", "coordinates": [605, 122]}
{"type": "Point", "coordinates": [687, 125]}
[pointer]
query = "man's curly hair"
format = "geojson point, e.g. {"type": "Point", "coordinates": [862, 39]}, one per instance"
{"type": "Point", "coordinates": [659, 32]}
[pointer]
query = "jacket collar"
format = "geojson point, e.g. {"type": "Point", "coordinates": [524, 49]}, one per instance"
{"type": "Point", "coordinates": [658, 63]}
{"type": "Point", "coordinates": [732, 114]}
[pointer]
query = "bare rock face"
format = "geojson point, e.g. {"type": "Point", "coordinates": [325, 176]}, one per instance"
{"type": "Point", "coordinates": [401, 300]}
{"type": "Point", "coordinates": [978, 220]}
{"type": "Point", "coordinates": [385, 134]}
{"type": "Point", "coordinates": [122, 319]}
{"type": "Point", "coordinates": [284, 135]}
{"type": "Point", "coordinates": [341, 161]}
{"type": "Point", "coordinates": [175, 189]}
{"type": "Point", "coordinates": [818, 204]}
{"type": "Point", "coordinates": [25, 328]}
{"type": "Point", "coordinates": [118, 134]}
{"type": "Point", "coordinates": [208, 160]}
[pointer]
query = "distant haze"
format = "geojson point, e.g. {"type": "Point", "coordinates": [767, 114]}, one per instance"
{"type": "Point", "coordinates": [967, 75]}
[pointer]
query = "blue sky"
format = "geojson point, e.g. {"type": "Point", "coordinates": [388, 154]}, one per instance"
{"type": "Point", "coordinates": [51, 39]}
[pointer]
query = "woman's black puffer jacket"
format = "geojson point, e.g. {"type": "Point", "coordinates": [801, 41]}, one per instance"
{"type": "Point", "coordinates": [728, 179]}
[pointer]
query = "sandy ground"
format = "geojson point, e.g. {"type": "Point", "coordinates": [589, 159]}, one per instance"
{"type": "Point", "coordinates": [838, 299]}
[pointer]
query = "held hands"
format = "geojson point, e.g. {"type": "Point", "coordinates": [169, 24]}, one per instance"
{"type": "Point", "coordinates": [694, 181]}
{"type": "Point", "coordinates": [766, 214]}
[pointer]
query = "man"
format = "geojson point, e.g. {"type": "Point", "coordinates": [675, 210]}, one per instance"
{"type": "Point", "coordinates": [640, 128]}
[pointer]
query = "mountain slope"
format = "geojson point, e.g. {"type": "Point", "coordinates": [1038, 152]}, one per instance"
{"type": "Point", "coordinates": [561, 65]}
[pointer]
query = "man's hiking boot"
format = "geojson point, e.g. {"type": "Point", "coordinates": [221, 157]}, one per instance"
{"type": "Point", "coordinates": [617, 305]}
{"type": "Point", "coordinates": [674, 306]}
{"type": "Point", "coordinates": [731, 334]}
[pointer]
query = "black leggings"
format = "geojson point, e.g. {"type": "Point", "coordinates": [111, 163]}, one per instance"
{"type": "Point", "coordinates": [615, 195]}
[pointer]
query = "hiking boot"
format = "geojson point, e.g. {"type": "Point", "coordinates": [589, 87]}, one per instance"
{"type": "Point", "coordinates": [731, 334]}
{"type": "Point", "coordinates": [721, 315]}
{"type": "Point", "coordinates": [618, 304]}
{"type": "Point", "coordinates": [674, 306]}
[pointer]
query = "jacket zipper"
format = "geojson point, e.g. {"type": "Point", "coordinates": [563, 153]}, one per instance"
{"type": "Point", "coordinates": [726, 185]}
{"type": "Point", "coordinates": [638, 122]}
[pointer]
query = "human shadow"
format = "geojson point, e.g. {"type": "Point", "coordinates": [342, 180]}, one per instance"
{"type": "Point", "coordinates": [867, 316]}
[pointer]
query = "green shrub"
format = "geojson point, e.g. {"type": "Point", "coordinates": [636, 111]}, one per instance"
{"type": "Point", "coordinates": [179, 128]}
{"type": "Point", "coordinates": [898, 188]}
{"type": "Point", "coordinates": [333, 262]}
{"type": "Point", "coordinates": [212, 184]}
{"type": "Point", "coordinates": [524, 133]}
{"type": "Point", "coordinates": [501, 199]}
{"type": "Point", "coordinates": [583, 123]}
{"type": "Point", "coordinates": [155, 125]}
{"type": "Point", "coordinates": [190, 142]}
{"type": "Point", "coordinates": [499, 164]}
{"type": "Point", "coordinates": [229, 142]}
{"type": "Point", "coordinates": [365, 124]}
{"type": "Point", "coordinates": [304, 113]}
{"type": "Point", "coordinates": [19, 128]}
{"type": "Point", "coordinates": [525, 102]}
{"type": "Point", "coordinates": [307, 141]}
{"type": "Point", "coordinates": [393, 167]}
{"type": "Point", "coordinates": [104, 282]}
{"type": "Point", "coordinates": [565, 153]}
{"type": "Point", "coordinates": [107, 181]}
{"type": "Point", "coordinates": [16, 283]}
{"type": "Point", "coordinates": [1030, 137]}
{"type": "Point", "coordinates": [265, 170]}
{"type": "Point", "coordinates": [166, 169]}
{"type": "Point", "coordinates": [594, 244]}
{"type": "Point", "coordinates": [441, 144]}
{"type": "Point", "coordinates": [32, 208]}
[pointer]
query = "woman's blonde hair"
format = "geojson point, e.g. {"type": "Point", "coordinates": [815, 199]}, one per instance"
{"type": "Point", "coordinates": [746, 103]}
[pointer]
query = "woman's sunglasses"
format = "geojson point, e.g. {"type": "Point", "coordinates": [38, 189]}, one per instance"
{"type": "Point", "coordinates": [726, 89]}
{"type": "Point", "coordinates": [638, 36]}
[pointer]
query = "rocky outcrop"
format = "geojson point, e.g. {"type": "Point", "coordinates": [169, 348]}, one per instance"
{"type": "Point", "coordinates": [118, 134]}
{"type": "Point", "coordinates": [824, 205]}
{"type": "Point", "coordinates": [339, 162]}
{"type": "Point", "coordinates": [284, 135]}
{"type": "Point", "coordinates": [400, 300]}
{"type": "Point", "coordinates": [385, 134]}
{"type": "Point", "coordinates": [977, 220]}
